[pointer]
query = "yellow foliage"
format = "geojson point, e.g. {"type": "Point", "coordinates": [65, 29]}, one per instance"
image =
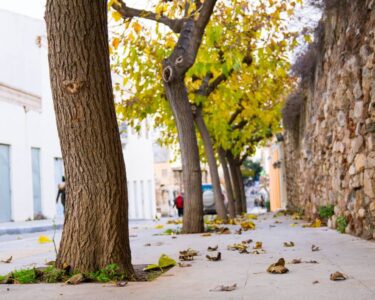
{"type": "Point", "coordinates": [115, 42]}
{"type": "Point", "coordinates": [137, 27]}
{"type": "Point", "coordinates": [159, 226]}
{"type": "Point", "coordinates": [248, 225]}
{"type": "Point", "coordinates": [116, 16]}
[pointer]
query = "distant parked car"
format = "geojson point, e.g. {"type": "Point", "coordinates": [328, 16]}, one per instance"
{"type": "Point", "coordinates": [209, 199]}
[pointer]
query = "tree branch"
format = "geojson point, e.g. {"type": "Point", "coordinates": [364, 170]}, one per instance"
{"type": "Point", "coordinates": [128, 12]}
{"type": "Point", "coordinates": [235, 114]}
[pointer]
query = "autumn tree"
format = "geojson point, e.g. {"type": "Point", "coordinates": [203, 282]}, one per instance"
{"type": "Point", "coordinates": [95, 231]}
{"type": "Point", "coordinates": [243, 43]}
{"type": "Point", "coordinates": [190, 26]}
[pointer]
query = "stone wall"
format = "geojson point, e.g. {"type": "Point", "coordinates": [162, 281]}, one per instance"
{"type": "Point", "coordinates": [330, 152]}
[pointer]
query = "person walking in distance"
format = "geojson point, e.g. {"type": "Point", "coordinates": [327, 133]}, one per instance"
{"type": "Point", "coordinates": [179, 204]}
{"type": "Point", "coordinates": [61, 192]}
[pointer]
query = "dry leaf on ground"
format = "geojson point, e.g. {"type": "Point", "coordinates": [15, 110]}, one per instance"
{"type": "Point", "coordinates": [241, 248]}
{"type": "Point", "coordinates": [183, 265]}
{"type": "Point", "coordinates": [289, 244]}
{"type": "Point", "coordinates": [147, 245]}
{"type": "Point", "coordinates": [223, 230]}
{"type": "Point", "coordinates": [214, 258]}
{"type": "Point", "coordinates": [224, 288]}
{"type": "Point", "coordinates": [121, 283]}
{"type": "Point", "coordinates": [278, 267]}
{"type": "Point", "coordinates": [8, 260]}
{"type": "Point", "coordinates": [247, 241]}
{"type": "Point", "coordinates": [249, 225]}
{"type": "Point", "coordinates": [238, 231]}
{"type": "Point", "coordinates": [206, 234]}
{"type": "Point", "coordinates": [296, 261]}
{"type": "Point", "coordinates": [337, 276]}
{"type": "Point", "coordinates": [188, 255]}
{"type": "Point", "coordinates": [44, 239]}
{"type": "Point", "coordinates": [315, 282]}
{"type": "Point", "coordinates": [258, 245]}
{"type": "Point", "coordinates": [315, 224]}
{"type": "Point", "coordinates": [76, 279]}
{"type": "Point", "coordinates": [314, 248]}
{"type": "Point", "coordinates": [212, 248]}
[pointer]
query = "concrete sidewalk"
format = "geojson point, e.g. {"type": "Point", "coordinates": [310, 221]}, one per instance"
{"type": "Point", "coordinates": [338, 252]}
{"type": "Point", "coordinates": [30, 226]}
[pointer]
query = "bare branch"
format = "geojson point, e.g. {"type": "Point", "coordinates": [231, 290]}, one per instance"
{"type": "Point", "coordinates": [128, 12]}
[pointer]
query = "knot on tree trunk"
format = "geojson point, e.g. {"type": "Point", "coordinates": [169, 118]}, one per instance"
{"type": "Point", "coordinates": [73, 86]}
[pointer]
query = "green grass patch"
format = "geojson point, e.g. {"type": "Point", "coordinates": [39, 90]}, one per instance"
{"type": "Point", "coordinates": [109, 273]}
{"type": "Point", "coordinates": [25, 276]}
{"type": "Point", "coordinates": [325, 212]}
{"type": "Point", "coordinates": [341, 224]}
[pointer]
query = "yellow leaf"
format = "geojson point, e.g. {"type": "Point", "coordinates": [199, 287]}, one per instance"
{"type": "Point", "coordinates": [44, 239]}
{"type": "Point", "coordinates": [116, 16]}
{"type": "Point", "coordinates": [137, 27]}
{"type": "Point", "coordinates": [159, 226]}
{"type": "Point", "coordinates": [115, 42]}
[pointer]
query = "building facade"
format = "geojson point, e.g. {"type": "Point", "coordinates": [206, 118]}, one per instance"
{"type": "Point", "coordinates": [30, 157]}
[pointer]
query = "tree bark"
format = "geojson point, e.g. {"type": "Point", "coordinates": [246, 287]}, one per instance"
{"type": "Point", "coordinates": [242, 187]}
{"type": "Point", "coordinates": [236, 183]}
{"type": "Point", "coordinates": [95, 230]}
{"type": "Point", "coordinates": [228, 183]}
{"type": "Point", "coordinates": [208, 147]}
{"type": "Point", "coordinates": [191, 171]}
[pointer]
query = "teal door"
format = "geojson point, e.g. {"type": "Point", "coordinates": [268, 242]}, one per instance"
{"type": "Point", "coordinates": [5, 191]}
{"type": "Point", "coordinates": [59, 173]}
{"type": "Point", "coordinates": [37, 190]}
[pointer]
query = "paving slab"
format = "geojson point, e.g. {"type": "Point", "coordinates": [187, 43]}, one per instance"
{"type": "Point", "coordinates": [338, 252]}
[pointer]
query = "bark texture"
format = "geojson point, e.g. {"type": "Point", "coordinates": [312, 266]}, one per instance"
{"type": "Point", "coordinates": [236, 183]}
{"type": "Point", "coordinates": [95, 230]}
{"type": "Point", "coordinates": [191, 171]}
{"type": "Point", "coordinates": [209, 150]}
{"type": "Point", "coordinates": [228, 183]}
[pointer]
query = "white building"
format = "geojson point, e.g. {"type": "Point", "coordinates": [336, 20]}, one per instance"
{"type": "Point", "coordinates": [30, 156]}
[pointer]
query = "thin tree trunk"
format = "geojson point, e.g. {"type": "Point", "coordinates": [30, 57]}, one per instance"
{"type": "Point", "coordinates": [95, 230]}
{"type": "Point", "coordinates": [242, 187]}
{"type": "Point", "coordinates": [236, 183]}
{"type": "Point", "coordinates": [193, 203]}
{"type": "Point", "coordinates": [228, 183]}
{"type": "Point", "coordinates": [218, 194]}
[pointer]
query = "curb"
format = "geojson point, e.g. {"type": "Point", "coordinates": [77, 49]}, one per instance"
{"type": "Point", "coordinates": [22, 230]}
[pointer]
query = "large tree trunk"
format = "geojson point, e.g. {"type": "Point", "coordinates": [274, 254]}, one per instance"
{"type": "Point", "coordinates": [236, 183]}
{"type": "Point", "coordinates": [218, 194]}
{"type": "Point", "coordinates": [193, 204]}
{"type": "Point", "coordinates": [228, 183]}
{"type": "Point", "coordinates": [95, 230]}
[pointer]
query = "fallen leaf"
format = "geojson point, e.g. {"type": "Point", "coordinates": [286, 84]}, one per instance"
{"type": "Point", "coordinates": [212, 248]}
{"type": "Point", "coordinates": [8, 260]}
{"type": "Point", "coordinates": [247, 241]}
{"type": "Point", "coordinates": [241, 248]}
{"type": "Point", "coordinates": [315, 282]}
{"type": "Point", "coordinates": [223, 230]}
{"type": "Point", "coordinates": [288, 244]}
{"type": "Point", "coordinates": [337, 276]}
{"type": "Point", "coordinates": [164, 262]}
{"type": "Point", "coordinates": [183, 265]}
{"type": "Point", "coordinates": [188, 255]}
{"type": "Point", "coordinates": [44, 239]}
{"type": "Point", "coordinates": [76, 279]}
{"type": "Point", "coordinates": [317, 223]}
{"type": "Point", "coordinates": [258, 245]}
{"type": "Point", "coordinates": [224, 288]}
{"type": "Point", "coordinates": [314, 248]}
{"type": "Point", "coordinates": [214, 258]}
{"type": "Point", "coordinates": [206, 234]}
{"type": "Point", "coordinates": [174, 237]}
{"type": "Point", "coordinates": [296, 261]}
{"type": "Point", "coordinates": [278, 267]}
{"type": "Point", "coordinates": [249, 225]}
{"type": "Point", "coordinates": [147, 245]}
{"type": "Point", "coordinates": [121, 283]}
{"type": "Point", "coordinates": [311, 262]}
{"type": "Point", "coordinates": [238, 231]}
{"type": "Point", "coordinates": [252, 216]}
{"type": "Point", "coordinates": [176, 222]}
{"type": "Point", "coordinates": [277, 222]}
{"type": "Point", "coordinates": [293, 224]}
{"type": "Point", "coordinates": [159, 226]}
